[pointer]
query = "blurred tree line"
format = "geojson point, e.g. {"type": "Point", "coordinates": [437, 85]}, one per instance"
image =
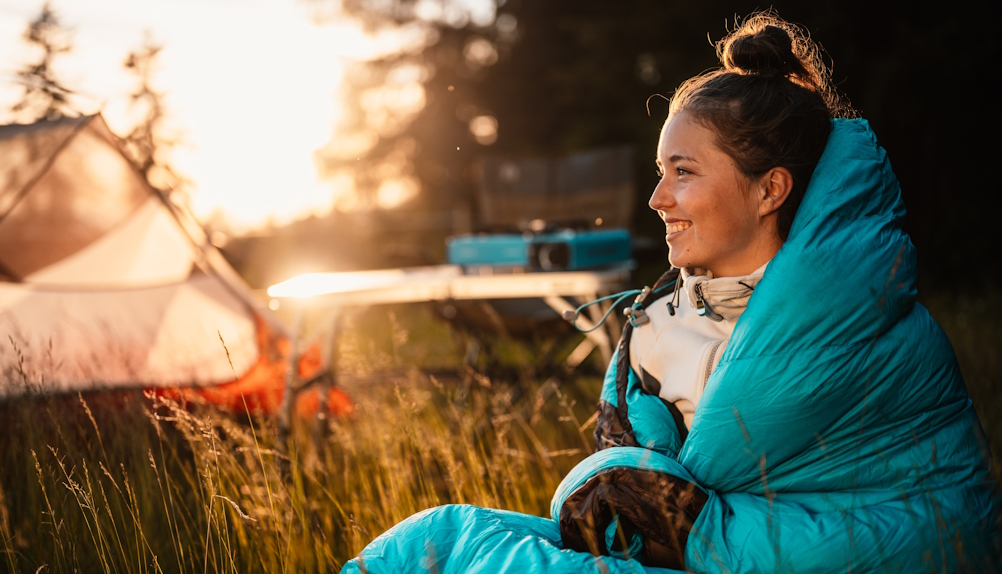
{"type": "Point", "coordinates": [46, 98]}
{"type": "Point", "coordinates": [548, 77]}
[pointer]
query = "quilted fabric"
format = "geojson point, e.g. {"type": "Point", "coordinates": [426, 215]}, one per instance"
{"type": "Point", "coordinates": [834, 435]}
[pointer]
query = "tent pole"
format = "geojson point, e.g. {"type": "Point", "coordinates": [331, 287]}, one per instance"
{"type": "Point", "coordinates": [327, 383]}
{"type": "Point", "coordinates": [291, 377]}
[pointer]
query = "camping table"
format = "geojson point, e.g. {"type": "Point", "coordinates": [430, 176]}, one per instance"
{"type": "Point", "coordinates": [448, 282]}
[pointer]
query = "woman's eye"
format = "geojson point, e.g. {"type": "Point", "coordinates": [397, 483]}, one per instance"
{"type": "Point", "coordinates": [681, 171]}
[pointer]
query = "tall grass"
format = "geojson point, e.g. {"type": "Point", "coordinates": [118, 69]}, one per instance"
{"type": "Point", "coordinates": [127, 483]}
{"type": "Point", "coordinates": [131, 483]}
{"type": "Point", "coordinates": [972, 319]}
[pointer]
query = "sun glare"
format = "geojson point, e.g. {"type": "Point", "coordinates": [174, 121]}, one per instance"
{"type": "Point", "coordinates": [251, 88]}
{"type": "Point", "coordinates": [312, 284]}
{"type": "Point", "coordinates": [485, 129]}
{"type": "Point", "coordinates": [396, 192]}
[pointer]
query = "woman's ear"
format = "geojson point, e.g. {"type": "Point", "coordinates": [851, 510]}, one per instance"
{"type": "Point", "coordinates": [774, 188]}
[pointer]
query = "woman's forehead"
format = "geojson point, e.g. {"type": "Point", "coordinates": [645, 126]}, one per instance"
{"type": "Point", "coordinates": [683, 137]}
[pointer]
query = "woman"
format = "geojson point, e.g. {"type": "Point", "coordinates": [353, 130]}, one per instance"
{"type": "Point", "coordinates": [781, 403]}
{"type": "Point", "coordinates": [735, 155]}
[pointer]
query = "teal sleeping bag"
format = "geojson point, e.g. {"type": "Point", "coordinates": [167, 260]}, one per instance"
{"type": "Point", "coordinates": [835, 434]}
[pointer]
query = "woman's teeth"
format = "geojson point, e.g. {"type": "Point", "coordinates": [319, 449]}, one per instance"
{"type": "Point", "coordinates": [677, 226]}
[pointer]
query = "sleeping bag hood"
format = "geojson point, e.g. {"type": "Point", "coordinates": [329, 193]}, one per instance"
{"type": "Point", "coordinates": [835, 434]}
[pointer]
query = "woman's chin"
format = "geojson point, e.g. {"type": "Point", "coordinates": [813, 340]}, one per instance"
{"type": "Point", "coordinates": [678, 263]}
{"type": "Point", "coordinates": [678, 258]}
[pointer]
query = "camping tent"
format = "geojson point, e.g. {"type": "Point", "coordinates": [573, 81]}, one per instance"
{"type": "Point", "coordinates": [105, 283]}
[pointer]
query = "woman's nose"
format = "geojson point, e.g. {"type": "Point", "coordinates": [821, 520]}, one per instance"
{"type": "Point", "coordinates": [662, 197]}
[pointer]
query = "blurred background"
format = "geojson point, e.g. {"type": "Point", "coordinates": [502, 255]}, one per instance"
{"type": "Point", "coordinates": [342, 135]}
{"type": "Point", "coordinates": [291, 127]}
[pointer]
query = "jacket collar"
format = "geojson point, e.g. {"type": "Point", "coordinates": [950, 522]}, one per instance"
{"type": "Point", "coordinates": [719, 298]}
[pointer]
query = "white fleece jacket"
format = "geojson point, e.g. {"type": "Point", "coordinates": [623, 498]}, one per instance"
{"type": "Point", "coordinates": [679, 351]}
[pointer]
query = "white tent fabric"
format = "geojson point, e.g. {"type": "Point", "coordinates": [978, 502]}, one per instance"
{"type": "Point", "coordinates": [149, 337]}
{"type": "Point", "coordinates": [103, 282]}
{"type": "Point", "coordinates": [148, 248]}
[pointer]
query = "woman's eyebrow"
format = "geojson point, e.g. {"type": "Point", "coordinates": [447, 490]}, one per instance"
{"type": "Point", "coordinates": [678, 158]}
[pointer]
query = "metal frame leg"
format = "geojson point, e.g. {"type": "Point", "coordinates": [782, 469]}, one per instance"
{"type": "Point", "coordinates": [593, 338]}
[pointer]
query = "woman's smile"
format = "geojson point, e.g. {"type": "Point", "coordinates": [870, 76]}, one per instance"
{"type": "Point", "coordinates": [675, 227]}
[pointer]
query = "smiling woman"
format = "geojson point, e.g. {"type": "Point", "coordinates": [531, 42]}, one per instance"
{"type": "Point", "coordinates": [781, 402]}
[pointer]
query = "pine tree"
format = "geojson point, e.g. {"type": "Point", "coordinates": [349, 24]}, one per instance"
{"type": "Point", "coordinates": [147, 145]}
{"type": "Point", "coordinates": [45, 97]}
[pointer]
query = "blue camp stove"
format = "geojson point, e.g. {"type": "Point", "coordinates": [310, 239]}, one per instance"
{"type": "Point", "coordinates": [564, 250]}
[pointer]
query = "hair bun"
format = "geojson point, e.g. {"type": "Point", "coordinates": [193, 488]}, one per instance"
{"type": "Point", "coordinates": [766, 51]}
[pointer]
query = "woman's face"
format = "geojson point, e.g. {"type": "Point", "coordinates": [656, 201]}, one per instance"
{"type": "Point", "coordinates": [712, 212]}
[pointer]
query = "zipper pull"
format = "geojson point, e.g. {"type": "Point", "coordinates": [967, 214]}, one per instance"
{"type": "Point", "coordinates": [700, 304]}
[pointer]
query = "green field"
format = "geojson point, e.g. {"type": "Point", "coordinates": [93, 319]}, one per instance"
{"type": "Point", "coordinates": [128, 484]}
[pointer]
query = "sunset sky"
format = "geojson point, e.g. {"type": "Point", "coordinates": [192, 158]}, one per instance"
{"type": "Point", "coordinates": [252, 88]}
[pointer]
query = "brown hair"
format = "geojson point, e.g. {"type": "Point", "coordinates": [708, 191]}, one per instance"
{"type": "Point", "coordinates": [770, 105]}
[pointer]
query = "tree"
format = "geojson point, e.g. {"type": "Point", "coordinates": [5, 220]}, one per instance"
{"type": "Point", "coordinates": [146, 144]}
{"type": "Point", "coordinates": [391, 99]}
{"type": "Point", "coordinates": [45, 97]}
{"type": "Point", "coordinates": [573, 75]}
{"type": "Point", "coordinates": [540, 79]}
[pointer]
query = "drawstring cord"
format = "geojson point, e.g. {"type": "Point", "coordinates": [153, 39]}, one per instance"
{"type": "Point", "coordinates": [673, 304]}
{"type": "Point", "coordinates": [635, 313]}
{"type": "Point", "coordinates": [572, 316]}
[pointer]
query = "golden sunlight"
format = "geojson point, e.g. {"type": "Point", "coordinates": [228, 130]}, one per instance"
{"type": "Point", "coordinates": [312, 284]}
{"type": "Point", "coordinates": [251, 90]}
